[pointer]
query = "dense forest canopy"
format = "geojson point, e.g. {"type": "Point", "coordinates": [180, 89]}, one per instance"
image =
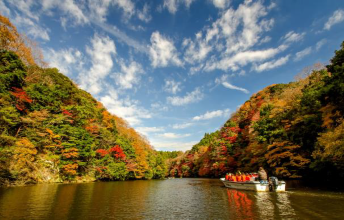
{"type": "Point", "coordinates": [293, 130]}
{"type": "Point", "coordinates": [52, 131]}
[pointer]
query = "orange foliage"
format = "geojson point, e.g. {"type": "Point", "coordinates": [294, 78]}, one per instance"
{"type": "Point", "coordinates": [11, 40]}
{"type": "Point", "coordinates": [70, 169]}
{"type": "Point", "coordinates": [70, 153]}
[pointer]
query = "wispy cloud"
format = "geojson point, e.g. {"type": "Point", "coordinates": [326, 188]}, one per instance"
{"type": "Point", "coordinates": [66, 60]}
{"type": "Point", "coordinates": [172, 86]}
{"type": "Point", "coordinates": [223, 80]}
{"type": "Point", "coordinates": [173, 5]}
{"type": "Point", "coordinates": [320, 44]}
{"type": "Point", "coordinates": [129, 74]}
{"type": "Point", "coordinates": [162, 51]}
{"type": "Point", "coordinates": [337, 17]}
{"type": "Point", "coordinates": [147, 130]}
{"type": "Point", "coordinates": [182, 125]}
{"type": "Point", "coordinates": [271, 64]}
{"type": "Point", "coordinates": [212, 114]}
{"type": "Point", "coordinates": [191, 97]}
{"type": "Point", "coordinates": [171, 135]}
{"type": "Point", "coordinates": [301, 54]}
{"type": "Point", "coordinates": [293, 37]}
{"type": "Point", "coordinates": [121, 36]}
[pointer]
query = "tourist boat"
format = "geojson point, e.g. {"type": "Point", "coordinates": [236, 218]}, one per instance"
{"type": "Point", "coordinates": [272, 186]}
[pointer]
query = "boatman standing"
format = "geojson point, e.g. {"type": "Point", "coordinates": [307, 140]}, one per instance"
{"type": "Point", "coordinates": [262, 176]}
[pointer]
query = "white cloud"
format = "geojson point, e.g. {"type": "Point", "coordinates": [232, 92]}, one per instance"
{"type": "Point", "coordinates": [301, 54]}
{"type": "Point", "coordinates": [144, 14]}
{"type": "Point", "coordinates": [172, 86]}
{"type": "Point", "coordinates": [121, 36]}
{"type": "Point", "coordinates": [170, 135]}
{"type": "Point", "coordinates": [172, 146]}
{"type": "Point", "coordinates": [25, 7]}
{"type": "Point", "coordinates": [272, 64]}
{"type": "Point", "coordinates": [147, 130]}
{"type": "Point", "coordinates": [196, 51]}
{"type": "Point", "coordinates": [320, 44]}
{"type": "Point", "coordinates": [243, 58]}
{"type": "Point", "coordinates": [230, 86]}
{"type": "Point", "coordinates": [73, 11]}
{"type": "Point", "coordinates": [66, 60]}
{"type": "Point", "coordinates": [223, 80]}
{"type": "Point", "coordinates": [182, 126]}
{"type": "Point", "coordinates": [159, 107]}
{"type": "Point", "coordinates": [221, 3]}
{"type": "Point", "coordinates": [129, 75]}
{"type": "Point", "coordinates": [191, 97]}
{"type": "Point", "coordinates": [172, 5]}
{"type": "Point", "coordinates": [293, 37]}
{"type": "Point", "coordinates": [212, 114]}
{"type": "Point", "coordinates": [100, 52]}
{"type": "Point", "coordinates": [128, 109]}
{"type": "Point", "coordinates": [31, 28]}
{"type": "Point", "coordinates": [162, 51]}
{"type": "Point", "coordinates": [230, 40]}
{"type": "Point", "coordinates": [337, 17]}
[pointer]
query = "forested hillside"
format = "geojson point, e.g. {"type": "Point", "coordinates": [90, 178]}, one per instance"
{"type": "Point", "coordinates": [52, 131]}
{"type": "Point", "coordinates": [293, 130]}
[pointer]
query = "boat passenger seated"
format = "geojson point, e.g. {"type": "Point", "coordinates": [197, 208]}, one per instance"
{"type": "Point", "coordinates": [239, 178]}
{"type": "Point", "coordinates": [230, 178]}
{"type": "Point", "coordinates": [248, 177]}
{"type": "Point", "coordinates": [243, 177]}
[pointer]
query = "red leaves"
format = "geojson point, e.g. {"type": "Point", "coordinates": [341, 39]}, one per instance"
{"type": "Point", "coordinates": [22, 98]}
{"type": "Point", "coordinates": [115, 151]}
{"type": "Point", "coordinates": [65, 112]}
{"type": "Point", "coordinates": [102, 152]}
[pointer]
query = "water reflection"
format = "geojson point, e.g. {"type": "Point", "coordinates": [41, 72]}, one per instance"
{"type": "Point", "coordinates": [168, 199]}
{"type": "Point", "coordinates": [240, 204]}
{"type": "Point", "coordinates": [260, 205]}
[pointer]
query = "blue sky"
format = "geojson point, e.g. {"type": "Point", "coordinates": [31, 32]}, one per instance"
{"type": "Point", "coordinates": [176, 69]}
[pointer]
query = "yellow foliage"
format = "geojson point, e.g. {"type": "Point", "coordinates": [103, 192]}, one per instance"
{"type": "Point", "coordinates": [24, 150]}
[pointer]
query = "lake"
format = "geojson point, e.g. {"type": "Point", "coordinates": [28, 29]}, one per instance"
{"type": "Point", "coordinates": [165, 199]}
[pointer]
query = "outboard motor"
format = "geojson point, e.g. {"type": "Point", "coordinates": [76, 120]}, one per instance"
{"type": "Point", "coordinates": [273, 183]}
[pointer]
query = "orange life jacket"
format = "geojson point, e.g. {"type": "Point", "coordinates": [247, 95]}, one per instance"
{"type": "Point", "coordinates": [239, 178]}
{"type": "Point", "coordinates": [234, 178]}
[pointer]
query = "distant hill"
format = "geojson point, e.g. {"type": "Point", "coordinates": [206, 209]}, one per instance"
{"type": "Point", "coordinates": [293, 130]}
{"type": "Point", "coordinates": [52, 131]}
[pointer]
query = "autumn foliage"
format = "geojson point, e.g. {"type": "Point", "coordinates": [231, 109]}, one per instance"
{"type": "Point", "coordinates": [293, 130]}
{"type": "Point", "coordinates": [52, 131]}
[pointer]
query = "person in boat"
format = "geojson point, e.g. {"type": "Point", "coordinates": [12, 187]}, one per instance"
{"type": "Point", "coordinates": [243, 177]}
{"type": "Point", "coordinates": [234, 179]}
{"type": "Point", "coordinates": [262, 176]}
{"type": "Point", "coordinates": [238, 175]}
{"type": "Point", "coordinates": [248, 177]}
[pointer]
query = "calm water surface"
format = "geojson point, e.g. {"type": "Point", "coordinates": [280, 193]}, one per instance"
{"type": "Point", "coordinates": [164, 199]}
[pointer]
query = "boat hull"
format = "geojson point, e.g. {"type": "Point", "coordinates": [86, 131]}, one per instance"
{"type": "Point", "coordinates": [253, 185]}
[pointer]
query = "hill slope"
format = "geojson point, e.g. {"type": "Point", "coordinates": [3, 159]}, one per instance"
{"type": "Point", "coordinates": [52, 131]}
{"type": "Point", "coordinates": [293, 130]}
